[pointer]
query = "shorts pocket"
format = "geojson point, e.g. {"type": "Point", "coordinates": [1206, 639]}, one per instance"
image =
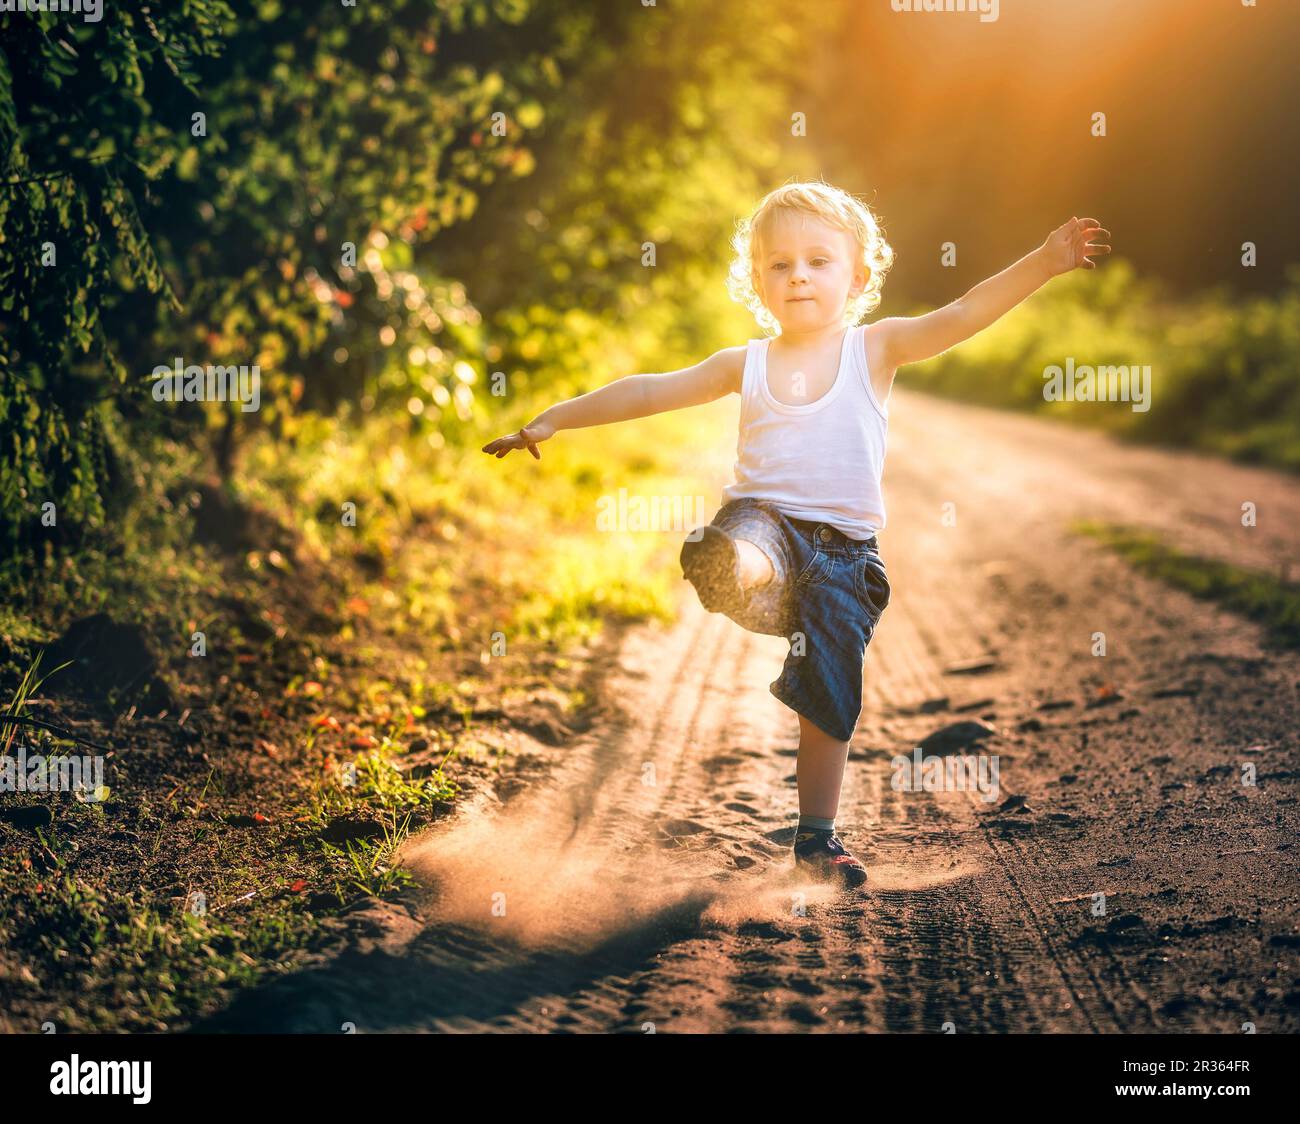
{"type": "Point", "coordinates": [819, 568]}
{"type": "Point", "coordinates": [872, 585]}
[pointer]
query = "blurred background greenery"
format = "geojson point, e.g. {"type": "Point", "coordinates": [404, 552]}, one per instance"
{"type": "Point", "coordinates": [499, 167]}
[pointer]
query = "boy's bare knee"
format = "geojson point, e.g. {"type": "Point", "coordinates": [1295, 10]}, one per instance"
{"type": "Point", "coordinates": [755, 565]}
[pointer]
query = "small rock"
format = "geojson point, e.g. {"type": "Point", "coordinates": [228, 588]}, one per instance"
{"type": "Point", "coordinates": [1105, 699]}
{"type": "Point", "coordinates": [971, 667]}
{"type": "Point", "coordinates": [32, 816]}
{"type": "Point", "coordinates": [976, 704]}
{"type": "Point", "coordinates": [342, 828]}
{"type": "Point", "coordinates": [955, 738]}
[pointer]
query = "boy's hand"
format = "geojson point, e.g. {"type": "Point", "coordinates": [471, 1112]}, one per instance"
{"type": "Point", "coordinates": [1070, 245]}
{"type": "Point", "coordinates": [529, 438]}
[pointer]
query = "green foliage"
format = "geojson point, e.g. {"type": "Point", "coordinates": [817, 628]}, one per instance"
{"type": "Point", "coordinates": [1225, 372]}
{"type": "Point", "coordinates": [78, 143]}
{"type": "Point", "coordinates": [558, 136]}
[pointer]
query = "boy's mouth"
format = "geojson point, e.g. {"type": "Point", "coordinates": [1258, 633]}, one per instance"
{"type": "Point", "coordinates": [794, 300]}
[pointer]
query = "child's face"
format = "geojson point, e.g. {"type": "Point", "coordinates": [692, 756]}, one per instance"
{"type": "Point", "coordinates": [805, 271]}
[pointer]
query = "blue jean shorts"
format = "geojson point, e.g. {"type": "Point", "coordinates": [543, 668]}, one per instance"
{"type": "Point", "coordinates": [826, 597]}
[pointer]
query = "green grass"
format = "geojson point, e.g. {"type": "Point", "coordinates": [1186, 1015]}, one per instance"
{"type": "Point", "coordinates": [373, 867]}
{"type": "Point", "coordinates": [1261, 597]}
{"type": "Point", "coordinates": [132, 965]}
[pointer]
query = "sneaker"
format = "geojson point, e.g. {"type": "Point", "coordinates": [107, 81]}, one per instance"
{"type": "Point", "coordinates": [821, 854]}
{"type": "Point", "coordinates": [712, 565]}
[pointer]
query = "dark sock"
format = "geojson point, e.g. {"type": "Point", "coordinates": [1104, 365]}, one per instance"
{"type": "Point", "coordinates": [815, 823]}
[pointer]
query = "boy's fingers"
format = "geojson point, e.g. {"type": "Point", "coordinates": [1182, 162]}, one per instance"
{"type": "Point", "coordinates": [502, 445]}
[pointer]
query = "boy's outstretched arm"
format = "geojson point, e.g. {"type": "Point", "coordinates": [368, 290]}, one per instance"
{"type": "Point", "coordinates": [633, 396]}
{"type": "Point", "coordinates": [911, 339]}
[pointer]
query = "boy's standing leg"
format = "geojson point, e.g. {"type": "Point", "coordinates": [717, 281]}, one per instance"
{"type": "Point", "coordinates": [820, 776]}
{"type": "Point", "coordinates": [819, 772]}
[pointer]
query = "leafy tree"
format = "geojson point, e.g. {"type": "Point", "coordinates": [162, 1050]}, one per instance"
{"type": "Point", "coordinates": [328, 192]}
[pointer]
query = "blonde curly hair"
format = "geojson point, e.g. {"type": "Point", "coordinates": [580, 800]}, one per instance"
{"type": "Point", "coordinates": [833, 206]}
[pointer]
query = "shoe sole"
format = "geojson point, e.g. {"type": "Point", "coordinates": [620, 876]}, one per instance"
{"type": "Point", "coordinates": [712, 565]}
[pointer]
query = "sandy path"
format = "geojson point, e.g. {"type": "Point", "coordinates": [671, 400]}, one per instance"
{"type": "Point", "coordinates": [644, 881]}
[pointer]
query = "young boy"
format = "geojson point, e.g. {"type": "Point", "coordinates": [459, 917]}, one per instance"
{"type": "Point", "coordinates": [793, 552]}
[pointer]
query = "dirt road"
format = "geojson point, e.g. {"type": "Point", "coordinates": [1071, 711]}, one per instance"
{"type": "Point", "coordinates": [642, 881]}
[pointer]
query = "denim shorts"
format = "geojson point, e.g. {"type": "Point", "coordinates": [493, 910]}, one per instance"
{"type": "Point", "coordinates": [826, 597]}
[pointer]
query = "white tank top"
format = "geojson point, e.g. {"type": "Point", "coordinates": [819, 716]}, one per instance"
{"type": "Point", "coordinates": [820, 461]}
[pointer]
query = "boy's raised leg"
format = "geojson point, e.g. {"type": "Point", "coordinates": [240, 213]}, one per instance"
{"type": "Point", "coordinates": [755, 566]}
